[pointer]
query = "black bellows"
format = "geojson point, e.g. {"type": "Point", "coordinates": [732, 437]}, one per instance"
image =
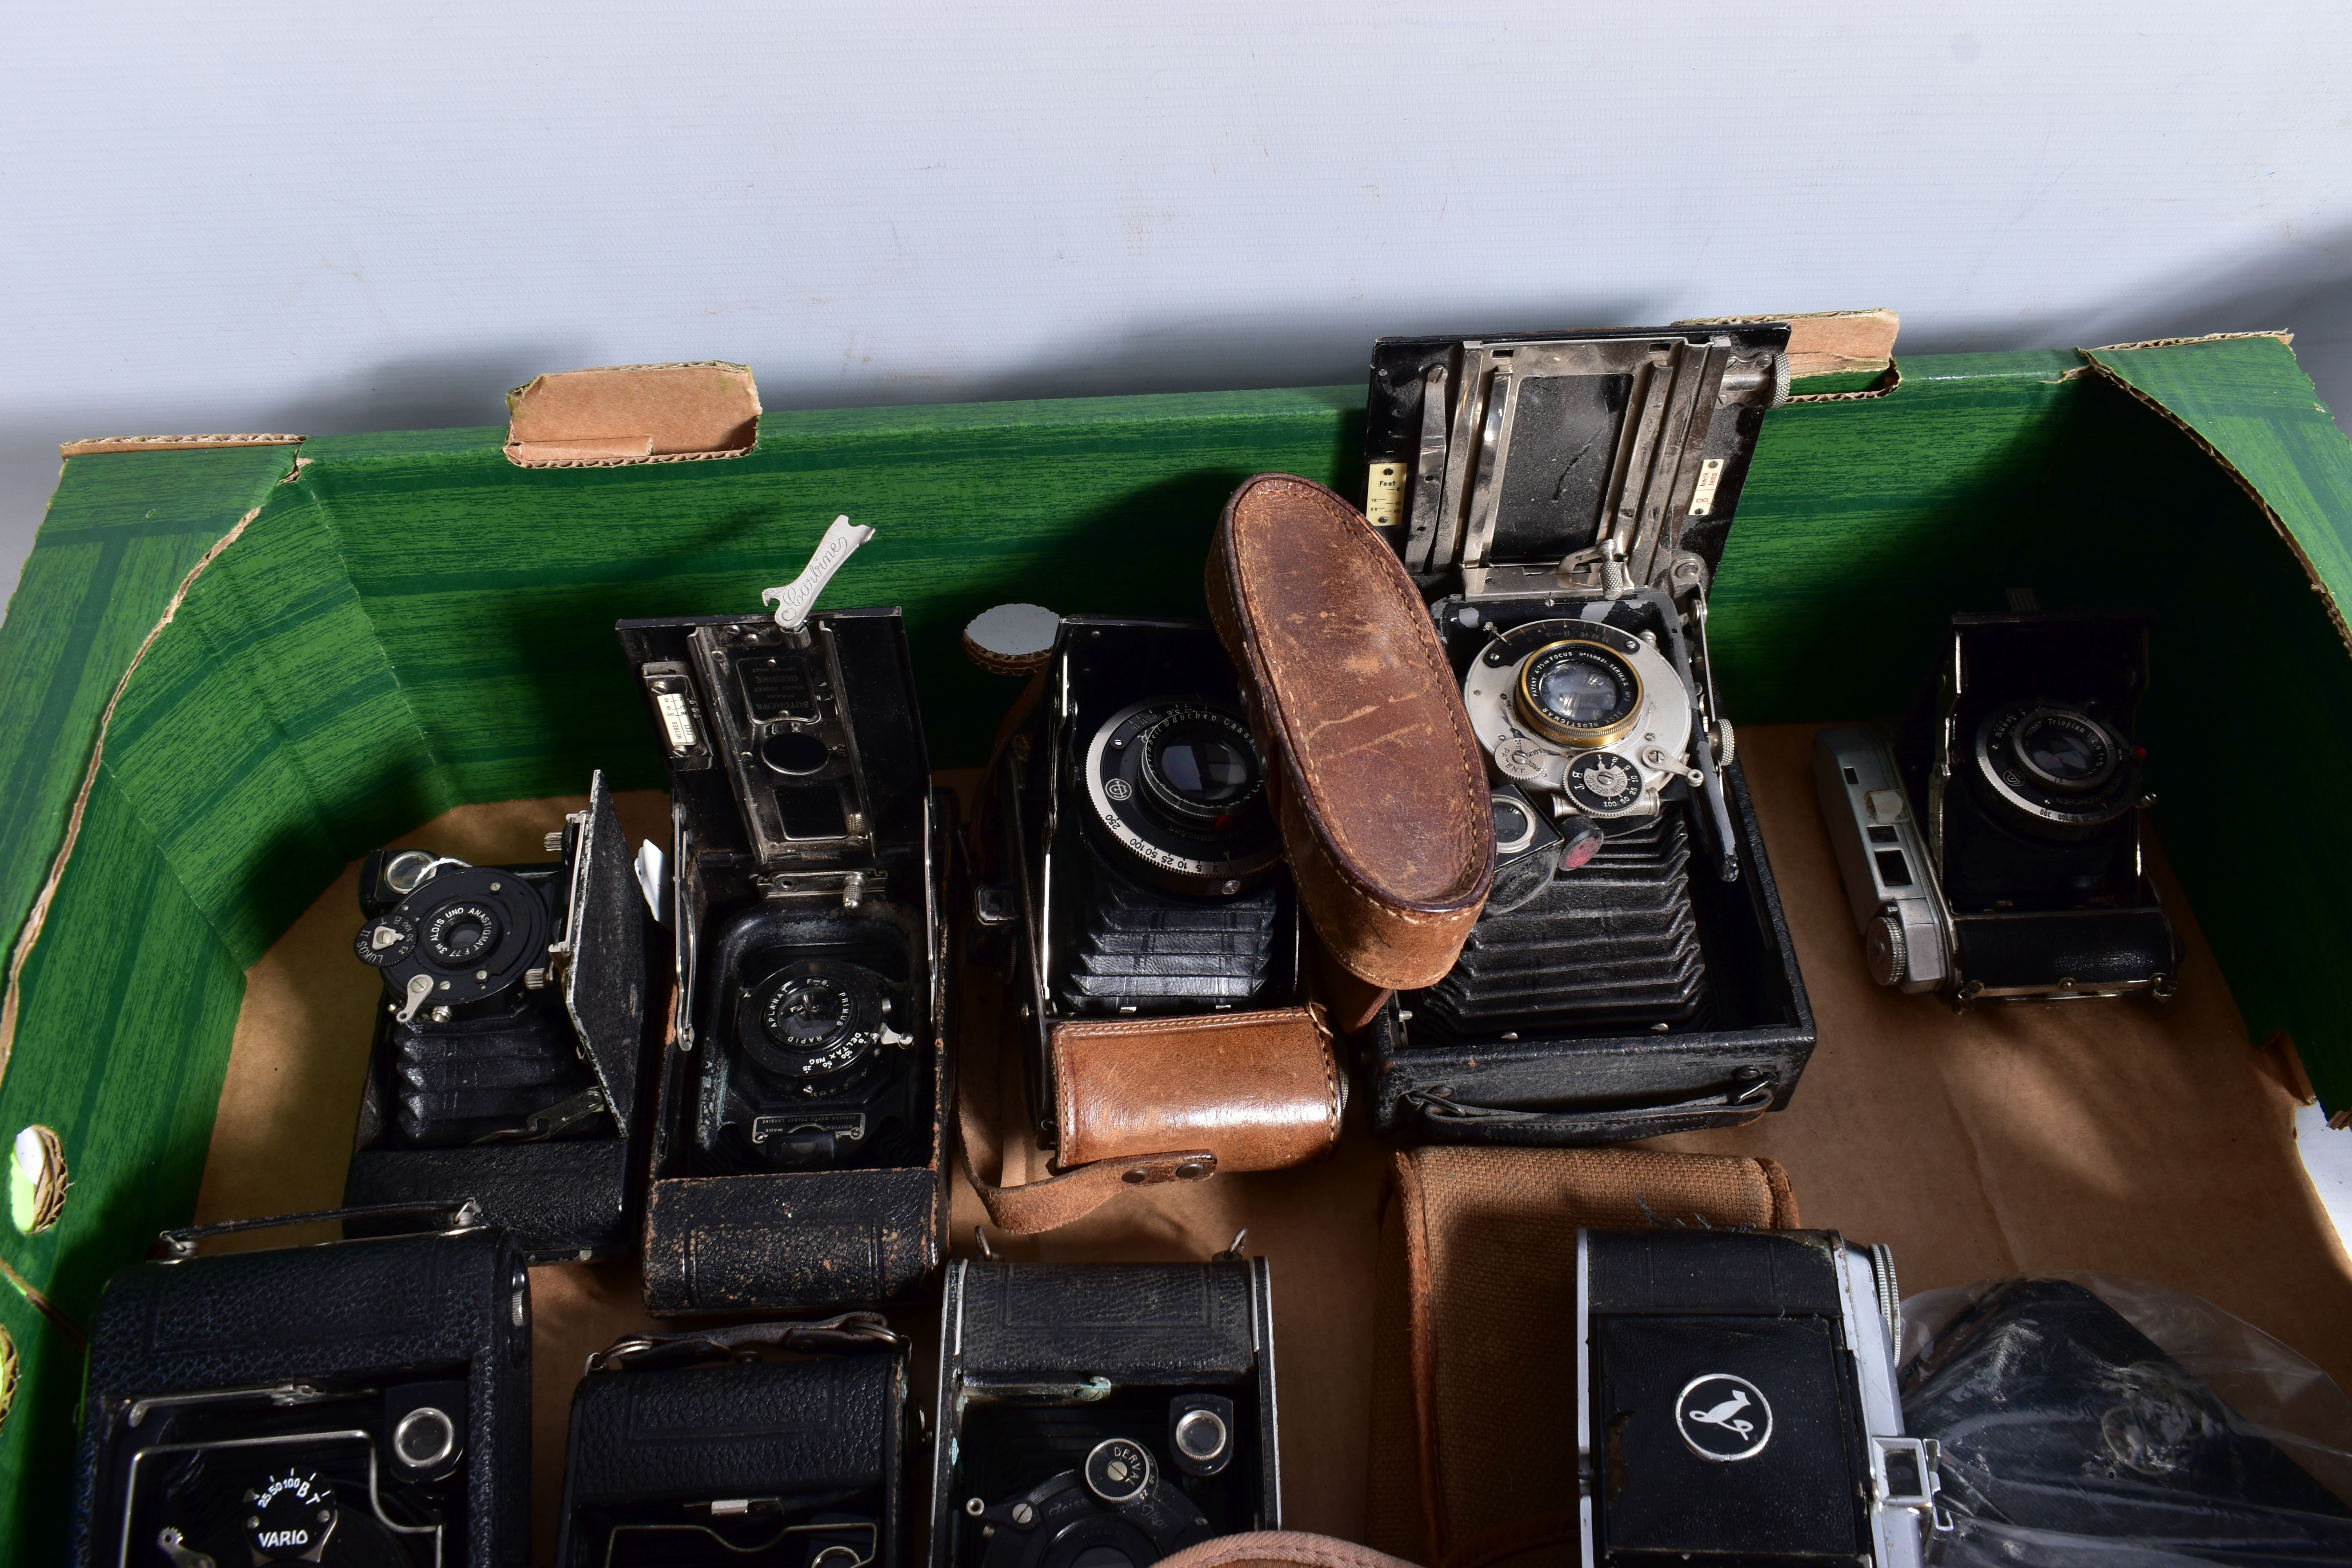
{"type": "Point", "coordinates": [1611, 944]}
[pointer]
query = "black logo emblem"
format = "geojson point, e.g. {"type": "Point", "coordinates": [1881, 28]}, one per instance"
{"type": "Point", "coordinates": [1723, 1418]}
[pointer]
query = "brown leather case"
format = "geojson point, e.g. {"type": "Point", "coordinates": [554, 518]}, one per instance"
{"type": "Point", "coordinates": [1260, 1090]}
{"type": "Point", "coordinates": [1380, 784]}
{"type": "Point", "coordinates": [1149, 1100]}
{"type": "Point", "coordinates": [1473, 1384]}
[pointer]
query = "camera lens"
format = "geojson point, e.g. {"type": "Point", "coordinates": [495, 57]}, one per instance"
{"type": "Point", "coordinates": [2064, 750]}
{"type": "Point", "coordinates": [813, 1019]}
{"type": "Point", "coordinates": [1177, 784]}
{"type": "Point", "coordinates": [808, 1013]}
{"type": "Point", "coordinates": [461, 933]}
{"type": "Point", "coordinates": [2054, 771]}
{"type": "Point", "coordinates": [1578, 694]}
{"type": "Point", "coordinates": [1201, 770]}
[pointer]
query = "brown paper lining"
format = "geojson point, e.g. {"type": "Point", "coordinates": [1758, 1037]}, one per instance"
{"type": "Point", "coordinates": [623, 414]}
{"type": "Point", "coordinates": [2143, 1140]}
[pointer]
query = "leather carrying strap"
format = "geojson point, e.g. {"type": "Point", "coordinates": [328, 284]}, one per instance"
{"type": "Point", "coordinates": [1072, 1195]}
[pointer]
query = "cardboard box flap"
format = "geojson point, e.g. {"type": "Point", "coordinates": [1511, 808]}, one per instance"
{"type": "Point", "coordinates": [1829, 342]}
{"type": "Point", "coordinates": [634, 414]}
{"type": "Point", "coordinates": [94, 445]}
{"type": "Point", "coordinates": [2245, 402]}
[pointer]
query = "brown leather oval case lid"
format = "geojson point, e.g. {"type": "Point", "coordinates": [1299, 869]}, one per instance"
{"type": "Point", "coordinates": [1385, 813]}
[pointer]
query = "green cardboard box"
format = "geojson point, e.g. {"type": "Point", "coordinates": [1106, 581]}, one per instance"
{"type": "Point", "coordinates": [230, 670]}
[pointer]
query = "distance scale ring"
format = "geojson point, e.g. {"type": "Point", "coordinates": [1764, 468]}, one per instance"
{"type": "Point", "coordinates": [1191, 837]}
{"type": "Point", "coordinates": [813, 1019]}
{"type": "Point", "coordinates": [2057, 765]}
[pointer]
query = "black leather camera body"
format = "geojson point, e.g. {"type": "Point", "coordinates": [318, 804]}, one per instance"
{"type": "Point", "coordinates": [1738, 1404]}
{"type": "Point", "coordinates": [354, 1403]}
{"type": "Point", "coordinates": [799, 1141]}
{"type": "Point", "coordinates": [689, 1448]}
{"type": "Point", "coordinates": [1144, 863]}
{"type": "Point", "coordinates": [507, 1052]}
{"type": "Point", "coordinates": [1562, 500]}
{"type": "Point", "coordinates": [1102, 1415]}
{"type": "Point", "coordinates": [1991, 846]}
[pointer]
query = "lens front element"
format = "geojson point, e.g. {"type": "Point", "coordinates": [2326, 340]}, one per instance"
{"type": "Point", "coordinates": [1578, 694]}
{"type": "Point", "coordinates": [1200, 769]}
{"type": "Point", "coordinates": [2065, 750]}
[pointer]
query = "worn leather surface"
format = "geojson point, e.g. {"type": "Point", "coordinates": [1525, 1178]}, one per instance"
{"type": "Point", "coordinates": [342, 1314]}
{"type": "Point", "coordinates": [745, 1430]}
{"type": "Point", "coordinates": [1259, 1090]}
{"type": "Point", "coordinates": [1161, 1322]}
{"type": "Point", "coordinates": [1475, 1358]}
{"type": "Point", "coordinates": [561, 1199]}
{"type": "Point", "coordinates": [1382, 787]}
{"type": "Point", "coordinates": [789, 1238]}
{"type": "Point", "coordinates": [1064, 1199]}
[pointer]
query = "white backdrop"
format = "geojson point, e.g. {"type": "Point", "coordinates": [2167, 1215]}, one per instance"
{"type": "Point", "coordinates": [324, 219]}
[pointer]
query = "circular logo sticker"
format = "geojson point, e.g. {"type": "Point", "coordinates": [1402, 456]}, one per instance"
{"type": "Point", "coordinates": [1723, 1418]}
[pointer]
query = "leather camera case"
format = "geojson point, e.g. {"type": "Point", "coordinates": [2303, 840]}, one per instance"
{"type": "Point", "coordinates": [1379, 780]}
{"type": "Point", "coordinates": [1242, 1077]}
{"type": "Point", "coordinates": [866, 1229]}
{"type": "Point", "coordinates": [1038, 1362]}
{"type": "Point", "coordinates": [822, 1433]}
{"type": "Point", "coordinates": [1475, 1370]}
{"type": "Point", "coordinates": [338, 1315]}
{"type": "Point", "coordinates": [562, 1197]}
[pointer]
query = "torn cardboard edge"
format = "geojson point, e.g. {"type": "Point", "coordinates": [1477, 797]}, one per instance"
{"type": "Point", "coordinates": [1888, 380]}
{"type": "Point", "coordinates": [619, 415]}
{"type": "Point", "coordinates": [98, 443]}
{"type": "Point", "coordinates": [2280, 333]}
{"type": "Point", "coordinates": [28, 935]}
{"type": "Point", "coordinates": [2278, 523]}
{"type": "Point", "coordinates": [1830, 342]}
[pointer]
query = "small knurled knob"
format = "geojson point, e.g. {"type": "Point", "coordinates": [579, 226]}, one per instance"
{"type": "Point", "coordinates": [1884, 948]}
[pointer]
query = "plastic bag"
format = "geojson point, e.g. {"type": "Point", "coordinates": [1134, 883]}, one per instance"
{"type": "Point", "coordinates": [2091, 1420]}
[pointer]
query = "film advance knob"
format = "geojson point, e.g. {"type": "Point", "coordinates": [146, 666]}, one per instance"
{"type": "Point", "coordinates": [1887, 952]}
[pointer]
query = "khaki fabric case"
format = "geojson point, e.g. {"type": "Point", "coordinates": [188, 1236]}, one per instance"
{"type": "Point", "coordinates": [1473, 1394]}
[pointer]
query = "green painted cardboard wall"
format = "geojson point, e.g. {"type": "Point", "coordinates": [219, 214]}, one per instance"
{"type": "Point", "coordinates": [407, 622]}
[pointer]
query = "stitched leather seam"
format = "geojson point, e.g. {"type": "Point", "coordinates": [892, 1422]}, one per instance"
{"type": "Point", "coordinates": [1174, 1025]}
{"type": "Point", "coordinates": [1414, 911]}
